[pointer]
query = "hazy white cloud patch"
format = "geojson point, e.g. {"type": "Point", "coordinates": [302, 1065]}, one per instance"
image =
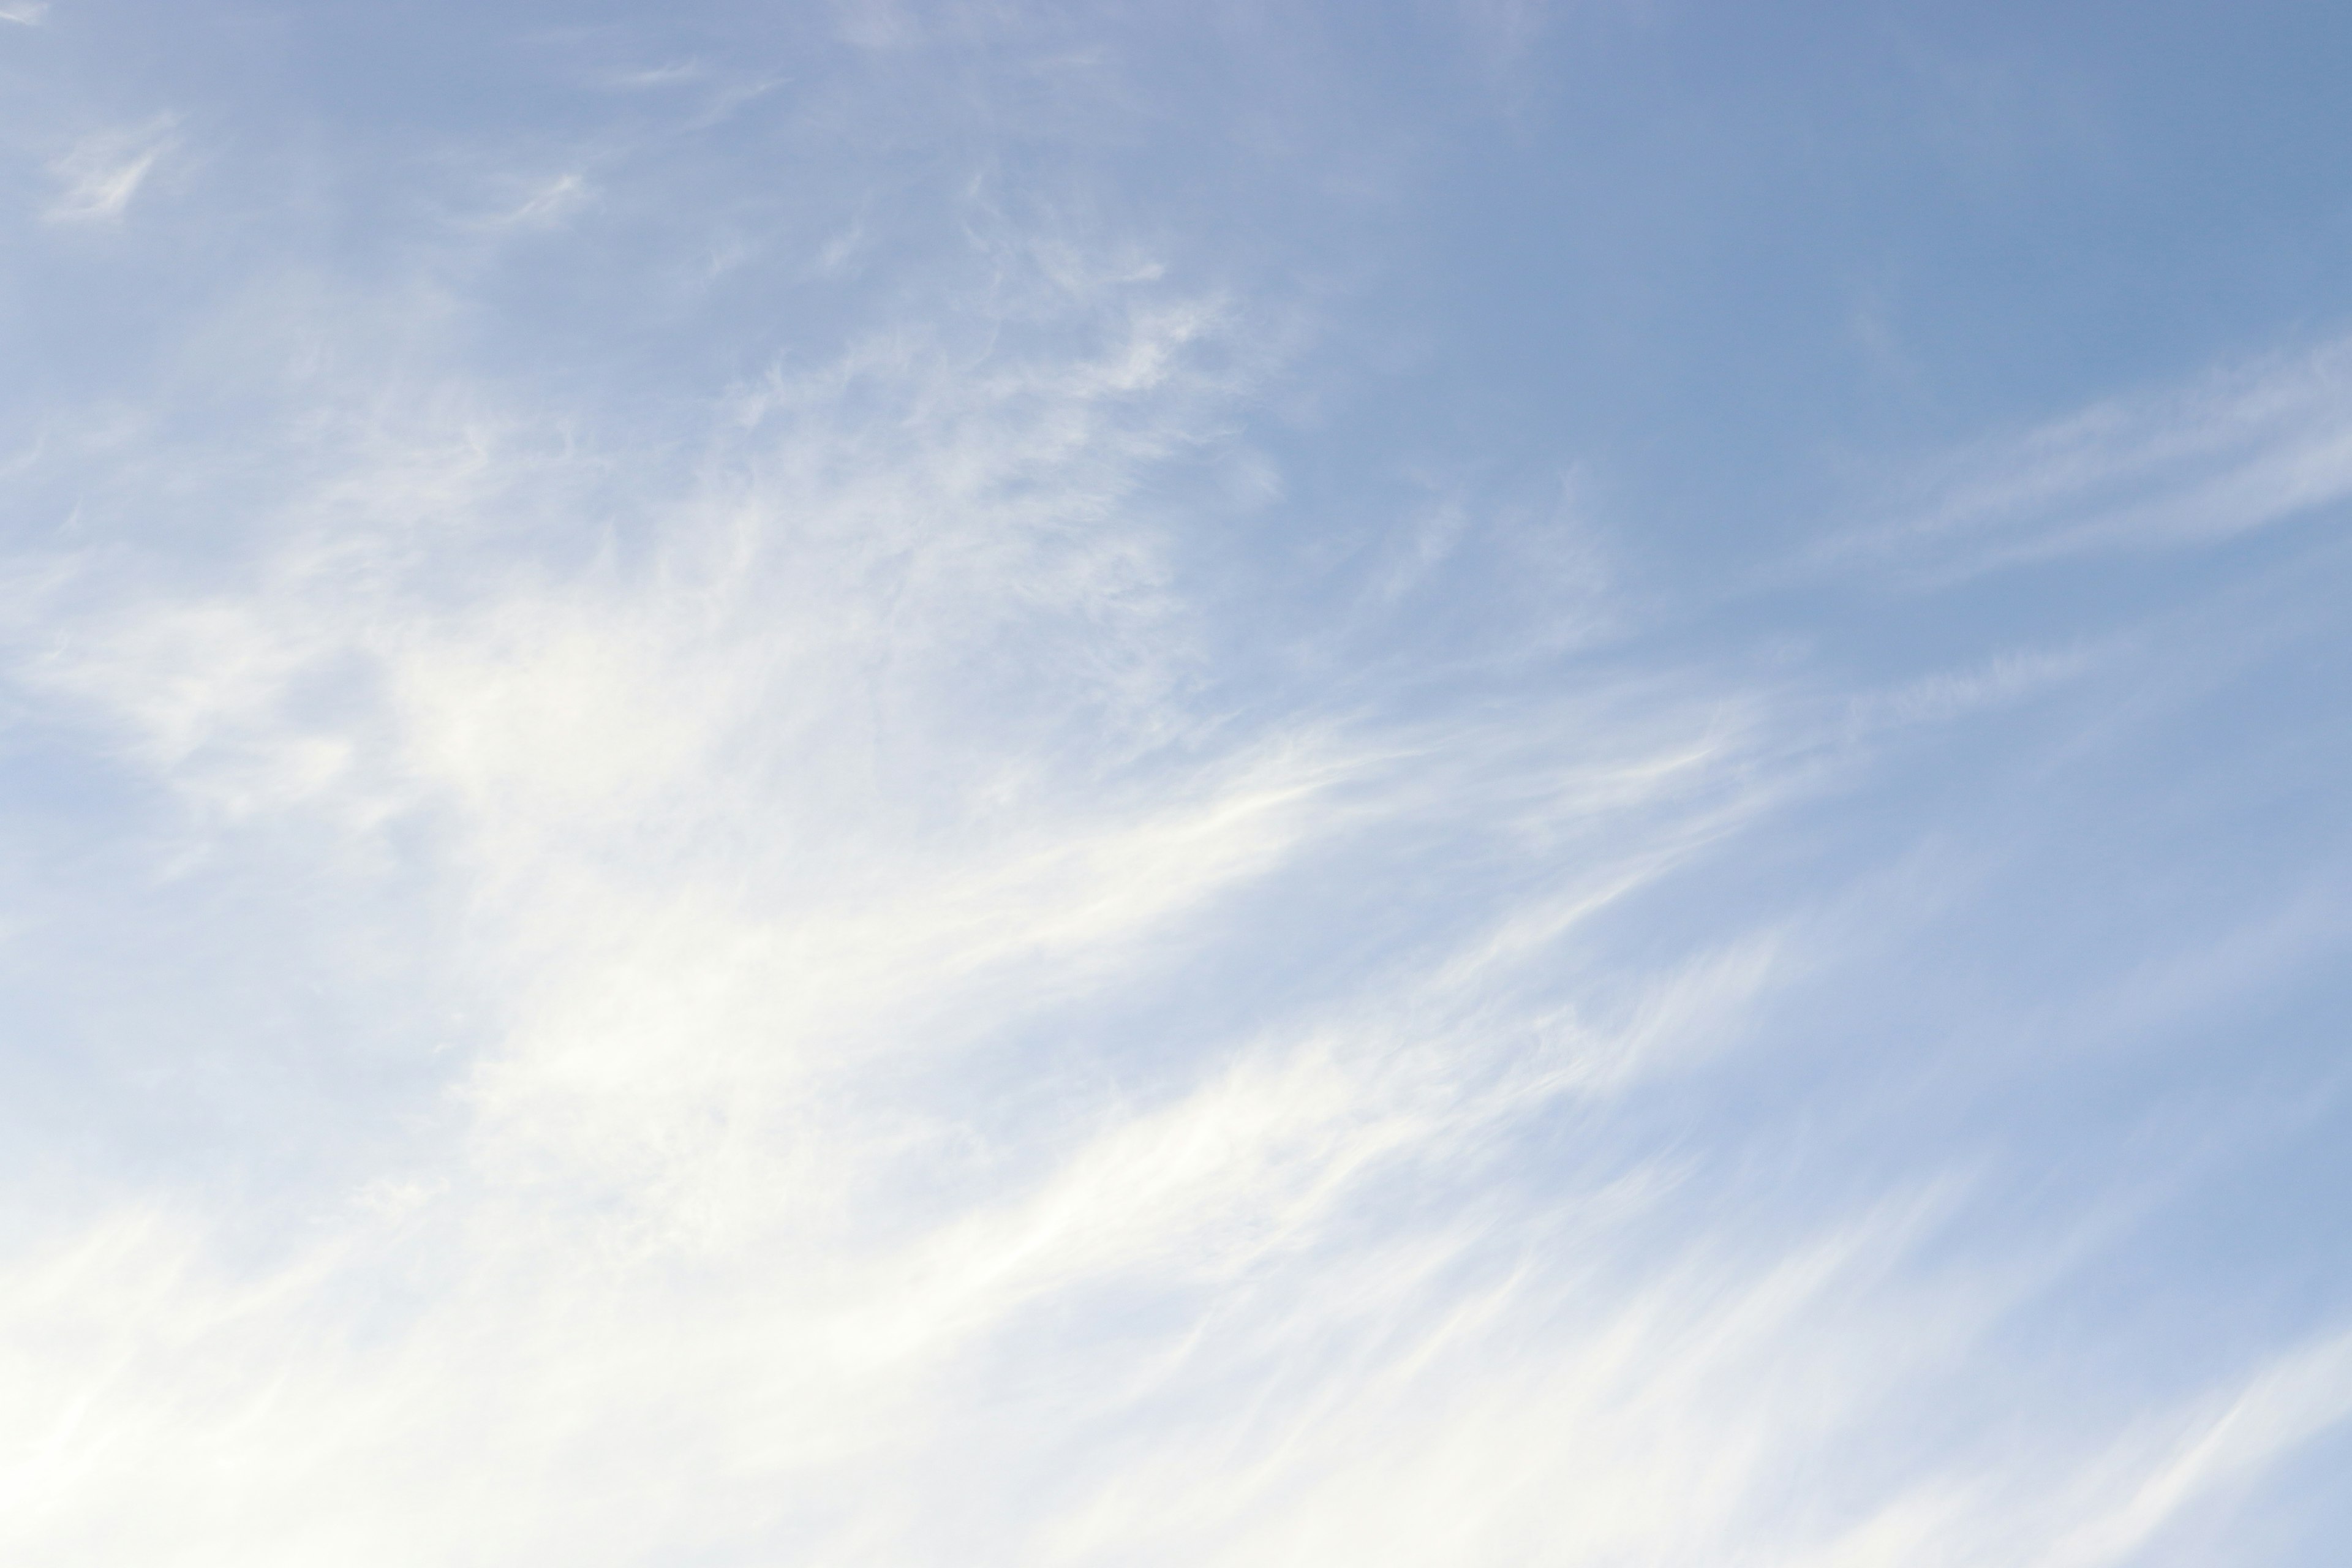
{"type": "Point", "coordinates": [771, 856]}
{"type": "Point", "coordinates": [2004, 679]}
{"type": "Point", "coordinates": [550, 204]}
{"type": "Point", "coordinates": [2236, 449]}
{"type": "Point", "coordinates": [762, 857]}
{"type": "Point", "coordinates": [960, 896]}
{"type": "Point", "coordinates": [98, 178]}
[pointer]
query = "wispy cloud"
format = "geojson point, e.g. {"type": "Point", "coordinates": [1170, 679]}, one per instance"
{"type": "Point", "coordinates": [550, 204]}
{"type": "Point", "coordinates": [98, 177]}
{"type": "Point", "coordinates": [761, 951]}
{"type": "Point", "coordinates": [766, 862]}
{"type": "Point", "coordinates": [760, 1214]}
{"type": "Point", "coordinates": [2229, 451]}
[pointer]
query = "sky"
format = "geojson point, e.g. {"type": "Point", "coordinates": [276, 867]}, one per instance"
{"type": "Point", "coordinates": [1048, 782]}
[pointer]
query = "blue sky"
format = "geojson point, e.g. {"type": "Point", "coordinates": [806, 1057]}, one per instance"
{"type": "Point", "coordinates": [1116, 784]}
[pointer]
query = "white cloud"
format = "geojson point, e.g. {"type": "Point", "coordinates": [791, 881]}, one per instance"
{"type": "Point", "coordinates": [759, 856]}
{"type": "Point", "coordinates": [930, 1064]}
{"type": "Point", "coordinates": [2236, 449]}
{"type": "Point", "coordinates": [550, 204]}
{"type": "Point", "coordinates": [101, 174]}
{"type": "Point", "coordinates": [753, 1233]}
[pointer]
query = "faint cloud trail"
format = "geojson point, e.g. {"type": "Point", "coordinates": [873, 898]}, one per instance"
{"type": "Point", "coordinates": [2242, 448]}
{"type": "Point", "coordinates": [104, 170]}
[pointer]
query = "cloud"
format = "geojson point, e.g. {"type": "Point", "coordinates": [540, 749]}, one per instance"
{"type": "Point", "coordinates": [104, 170]}
{"type": "Point", "coordinates": [766, 860]}
{"type": "Point", "coordinates": [832, 875]}
{"type": "Point", "coordinates": [550, 204]}
{"type": "Point", "coordinates": [2235, 449]}
{"type": "Point", "coordinates": [772, 1203]}
{"type": "Point", "coordinates": [1946, 695]}
{"type": "Point", "coordinates": [859, 1015]}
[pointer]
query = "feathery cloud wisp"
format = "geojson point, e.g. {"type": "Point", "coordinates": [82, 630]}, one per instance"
{"type": "Point", "coordinates": [103, 171]}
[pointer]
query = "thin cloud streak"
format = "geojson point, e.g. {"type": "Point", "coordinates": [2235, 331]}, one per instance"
{"type": "Point", "coordinates": [2245, 448]}
{"type": "Point", "coordinates": [104, 170]}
